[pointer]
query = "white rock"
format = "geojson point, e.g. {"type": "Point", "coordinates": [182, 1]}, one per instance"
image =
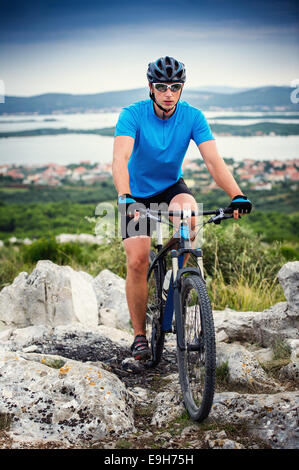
{"type": "Point", "coordinates": [290, 371]}
{"type": "Point", "coordinates": [168, 406]}
{"type": "Point", "coordinates": [108, 317]}
{"type": "Point", "coordinates": [73, 403]}
{"type": "Point", "coordinates": [263, 355]}
{"type": "Point", "coordinates": [6, 334]}
{"type": "Point", "coordinates": [50, 295]}
{"type": "Point", "coordinates": [273, 417]}
{"type": "Point", "coordinates": [231, 325]}
{"type": "Point", "coordinates": [79, 238]}
{"type": "Point", "coordinates": [110, 292]}
{"type": "Point", "coordinates": [275, 323]}
{"type": "Point", "coordinates": [294, 345]}
{"type": "Point", "coordinates": [288, 277]}
{"type": "Point", "coordinates": [123, 338]}
{"type": "Point", "coordinates": [243, 368]}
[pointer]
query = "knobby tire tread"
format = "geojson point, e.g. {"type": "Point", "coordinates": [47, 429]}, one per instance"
{"type": "Point", "coordinates": [207, 322]}
{"type": "Point", "coordinates": [159, 345]}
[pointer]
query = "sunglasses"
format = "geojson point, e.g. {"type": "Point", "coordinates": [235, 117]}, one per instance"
{"type": "Point", "coordinates": [162, 87]}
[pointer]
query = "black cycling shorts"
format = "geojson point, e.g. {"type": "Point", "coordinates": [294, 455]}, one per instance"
{"type": "Point", "coordinates": [146, 226]}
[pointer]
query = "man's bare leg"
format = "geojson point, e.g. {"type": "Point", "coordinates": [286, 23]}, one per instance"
{"type": "Point", "coordinates": [137, 251]}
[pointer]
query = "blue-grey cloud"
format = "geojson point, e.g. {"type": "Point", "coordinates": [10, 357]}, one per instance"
{"type": "Point", "coordinates": [40, 20]}
{"type": "Point", "coordinates": [95, 45]}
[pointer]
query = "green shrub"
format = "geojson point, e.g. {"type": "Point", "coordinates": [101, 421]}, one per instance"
{"type": "Point", "coordinates": [237, 250]}
{"type": "Point", "coordinates": [240, 269]}
{"type": "Point", "coordinates": [289, 253]}
{"type": "Point", "coordinates": [222, 372]}
{"type": "Point", "coordinates": [50, 249]}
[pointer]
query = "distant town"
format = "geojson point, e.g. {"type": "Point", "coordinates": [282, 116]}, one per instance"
{"type": "Point", "coordinates": [256, 174]}
{"type": "Point", "coordinates": [53, 174]}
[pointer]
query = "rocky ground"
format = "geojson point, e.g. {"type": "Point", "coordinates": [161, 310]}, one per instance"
{"type": "Point", "coordinates": [72, 384]}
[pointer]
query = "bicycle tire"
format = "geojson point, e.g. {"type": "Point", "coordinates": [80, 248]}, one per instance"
{"type": "Point", "coordinates": [197, 363]}
{"type": "Point", "coordinates": [154, 312]}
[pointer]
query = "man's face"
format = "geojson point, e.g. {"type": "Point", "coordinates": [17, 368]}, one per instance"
{"type": "Point", "coordinates": [167, 99]}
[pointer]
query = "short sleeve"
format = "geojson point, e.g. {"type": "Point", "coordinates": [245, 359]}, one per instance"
{"type": "Point", "coordinates": [126, 124]}
{"type": "Point", "coordinates": [201, 131]}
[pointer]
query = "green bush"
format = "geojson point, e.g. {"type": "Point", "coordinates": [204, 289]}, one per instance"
{"type": "Point", "coordinates": [237, 251]}
{"type": "Point", "coordinates": [289, 253]}
{"type": "Point", "coordinates": [240, 269]}
{"type": "Point", "coordinates": [50, 249]}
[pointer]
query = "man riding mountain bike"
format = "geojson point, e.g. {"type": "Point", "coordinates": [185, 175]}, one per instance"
{"type": "Point", "coordinates": [151, 140]}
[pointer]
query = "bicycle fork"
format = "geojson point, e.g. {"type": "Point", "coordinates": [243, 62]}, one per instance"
{"type": "Point", "coordinates": [173, 301]}
{"type": "Point", "coordinates": [178, 275]}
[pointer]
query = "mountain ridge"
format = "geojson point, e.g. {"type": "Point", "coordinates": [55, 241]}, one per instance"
{"type": "Point", "coordinates": [265, 98]}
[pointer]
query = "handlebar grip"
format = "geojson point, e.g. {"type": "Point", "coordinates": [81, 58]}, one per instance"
{"type": "Point", "coordinates": [228, 210]}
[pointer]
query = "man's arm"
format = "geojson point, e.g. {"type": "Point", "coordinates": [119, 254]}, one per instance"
{"type": "Point", "coordinates": [219, 171]}
{"type": "Point", "coordinates": [122, 150]}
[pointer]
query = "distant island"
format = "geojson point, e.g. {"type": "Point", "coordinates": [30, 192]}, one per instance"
{"type": "Point", "coordinates": [267, 98]}
{"type": "Point", "coordinates": [258, 129]}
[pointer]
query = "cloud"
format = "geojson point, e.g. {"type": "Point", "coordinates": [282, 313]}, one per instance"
{"type": "Point", "coordinates": [65, 45]}
{"type": "Point", "coordinates": [44, 21]}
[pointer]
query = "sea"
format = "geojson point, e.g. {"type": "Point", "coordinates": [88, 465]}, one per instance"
{"type": "Point", "coordinates": [74, 148]}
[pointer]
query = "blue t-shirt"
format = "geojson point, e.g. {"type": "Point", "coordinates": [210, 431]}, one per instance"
{"type": "Point", "coordinates": [160, 145]}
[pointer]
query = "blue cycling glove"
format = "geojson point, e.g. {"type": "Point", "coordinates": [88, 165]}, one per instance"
{"type": "Point", "coordinates": [241, 203]}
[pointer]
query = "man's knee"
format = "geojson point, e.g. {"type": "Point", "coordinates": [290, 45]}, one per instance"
{"type": "Point", "coordinates": [137, 253]}
{"type": "Point", "coordinates": [137, 263]}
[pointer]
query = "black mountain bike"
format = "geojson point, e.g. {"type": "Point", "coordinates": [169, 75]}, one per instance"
{"type": "Point", "coordinates": [182, 291]}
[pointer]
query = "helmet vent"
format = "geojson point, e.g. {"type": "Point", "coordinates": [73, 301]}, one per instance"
{"type": "Point", "coordinates": [159, 64]}
{"type": "Point", "coordinates": [169, 71]}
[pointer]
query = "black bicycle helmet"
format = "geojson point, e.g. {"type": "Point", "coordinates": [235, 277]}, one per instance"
{"type": "Point", "coordinates": [166, 69]}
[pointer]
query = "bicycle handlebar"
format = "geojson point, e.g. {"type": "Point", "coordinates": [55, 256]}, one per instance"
{"type": "Point", "coordinates": [186, 213]}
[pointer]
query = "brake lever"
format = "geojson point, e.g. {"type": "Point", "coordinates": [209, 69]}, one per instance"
{"type": "Point", "coordinates": [217, 219]}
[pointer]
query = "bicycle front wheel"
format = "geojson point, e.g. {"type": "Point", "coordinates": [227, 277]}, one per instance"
{"type": "Point", "coordinates": [197, 361]}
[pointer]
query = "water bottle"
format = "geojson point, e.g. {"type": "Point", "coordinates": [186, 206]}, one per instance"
{"type": "Point", "coordinates": [166, 284]}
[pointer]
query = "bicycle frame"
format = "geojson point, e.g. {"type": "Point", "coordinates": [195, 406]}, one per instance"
{"type": "Point", "coordinates": [172, 302]}
{"type": "Point", "coordinates": [179, 246]}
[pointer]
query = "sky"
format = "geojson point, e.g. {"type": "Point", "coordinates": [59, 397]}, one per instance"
{"type": "Point", "coordinates": [93, 46]}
